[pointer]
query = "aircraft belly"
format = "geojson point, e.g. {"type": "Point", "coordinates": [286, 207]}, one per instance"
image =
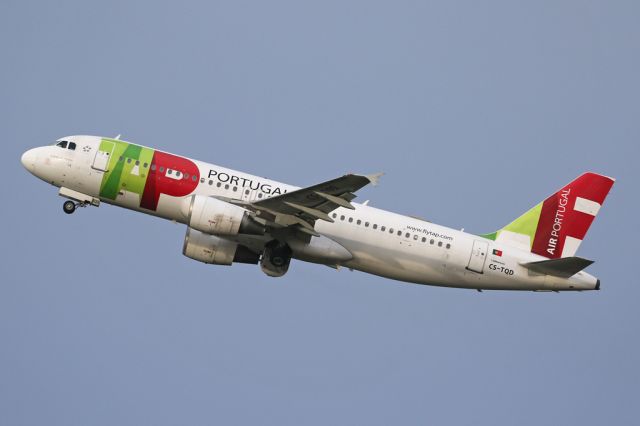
{"type": "Point", "coordinates": [399, 265]}
{"type": "Point", "coordinates": [168, 207]}
{"type": "Point", "coordinates": [432, 266]}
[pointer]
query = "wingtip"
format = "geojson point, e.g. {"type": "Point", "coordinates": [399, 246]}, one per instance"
{"type": "Point", "coordinates": [375, 178]}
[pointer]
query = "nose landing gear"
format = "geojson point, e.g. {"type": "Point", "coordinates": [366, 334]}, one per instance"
{"type": "Point", "coordinates": [69, 206]}
{"type": "Point", "coordinates": [76, 199]}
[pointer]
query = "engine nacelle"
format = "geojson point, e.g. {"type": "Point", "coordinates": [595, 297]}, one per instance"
{"type": "Point", "coordinates": [211, 249]}
{"type": "Point", "coordinates": [213, 216]}
{"type": "Point", "coordinates": [275, 259]}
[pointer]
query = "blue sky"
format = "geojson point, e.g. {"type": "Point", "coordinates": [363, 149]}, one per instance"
{"type": "Point", "coordinates": [475, 110]}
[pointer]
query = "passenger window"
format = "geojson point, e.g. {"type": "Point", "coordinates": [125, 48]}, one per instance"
{"type": "Point", "coordinates": [129, 160]}
{"type": "Point", "coordinates": [424, 239]}
{"type": "Point", "coordinates": [162, 170]}
{"type": "Point", "coordinates": [383, 229]}
{"type": "Point", "coordinates": [335, 215]}
{"type": "Point", "coordinates": [153, 167]}
{"type": "Point", "coordinates": [407, 235]}
{"type": "Point", "coordinates": [226, 186]}
{"type": "Point", "coordinates": [177, 173]}
{"type": "Point", "coordinates": [391, 230]}
{"type": "Point", "coordinates": [169, 171]}
{"type": "Point", "coordinates": [439, 243]}
{"type": "Point", "coordinates": [210, 182]}
{"type": "Point", "coordinates": [235, 188]}
{"type": "Point", "coordinates": [137, 163]}
{"type": "Point", "coordinates": [431, 242]}
{"type": "Point", "coordinates": [415, 237]}
{"type": "Point", "coordinates": [366, 224]}
{"type": "Point", "coordinates": [375, 226]}
{"type": "Point", "coordinates": [350, 220]}
{"type": "Point", "coordinates": [260, 195]}
{"type": "Point", "coordinates": [121, 159]}
{"type": "Point", "coordinates": [72, 146]}
{"type": "Point", "coordinates": [62, 144]}
{"type": "Point", "coordinates": [246, 192]}
{"type": "Point", "coordinates": [399, 233]}
{"type": "Point", "coordinates": [201, 180]}
{"type": "Point", "coordinates": [145, 165]}
{"type": "Point", "coordinates": [359, 222]}
{"type": "Point", "coordinates": [342, 217]}
{"type": "Point", "coordinates": [219, 185]}
{"type": "Point", "coordinates": [448, 246]}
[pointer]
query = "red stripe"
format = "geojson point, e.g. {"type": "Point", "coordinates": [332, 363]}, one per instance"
{"type": "Point", "coordinates": [545, 224]}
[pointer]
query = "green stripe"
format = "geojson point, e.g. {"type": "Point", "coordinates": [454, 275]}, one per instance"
{"type": "Point", "coordinates": [527, 224]}
{"type": "Point", "coordinates": [119, 175]}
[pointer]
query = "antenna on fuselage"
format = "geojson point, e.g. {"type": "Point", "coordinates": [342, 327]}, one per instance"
{"type": "Point", "coordinates": [117, 138]}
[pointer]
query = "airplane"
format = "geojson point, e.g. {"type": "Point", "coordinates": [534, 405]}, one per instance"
{"type": "Point", "coordinates": [234, 217]}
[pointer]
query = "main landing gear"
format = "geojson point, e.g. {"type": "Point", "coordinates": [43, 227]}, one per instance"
{"type": "Point", "coordinates": [70, 206]}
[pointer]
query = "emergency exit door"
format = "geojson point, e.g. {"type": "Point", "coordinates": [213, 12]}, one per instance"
{"type": "Point", "coordinates": [478, 256]}
{"type": "Point", "coordinates": [101, 161]}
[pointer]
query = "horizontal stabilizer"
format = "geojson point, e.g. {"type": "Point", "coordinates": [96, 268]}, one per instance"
{"type": "Point", "coordinates": [563, 267]}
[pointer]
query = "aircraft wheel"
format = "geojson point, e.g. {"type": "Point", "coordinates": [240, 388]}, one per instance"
{"type": "Point", "coordinates": [278, 261]}
{"type": "Point", "coordinates": [69, 207]}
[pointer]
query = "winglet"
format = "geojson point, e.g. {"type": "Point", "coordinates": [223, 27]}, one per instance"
{"type": "Point", "coordinates": [374, 178]}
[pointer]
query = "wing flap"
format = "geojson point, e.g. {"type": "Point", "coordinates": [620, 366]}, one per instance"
{"type": "Point", "coordinates": [342, 202]}
{"type": "Point", "coordinates": [306, 205]}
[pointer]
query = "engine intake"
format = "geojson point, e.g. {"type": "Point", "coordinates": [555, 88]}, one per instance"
{"type": "Point", "coordinates": [214, 250]}
{"type": "Point", "coordinates": [213, 216]}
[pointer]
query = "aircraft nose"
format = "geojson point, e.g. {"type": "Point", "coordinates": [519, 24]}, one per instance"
{"type": "Point", "coordinates": [29, 160]}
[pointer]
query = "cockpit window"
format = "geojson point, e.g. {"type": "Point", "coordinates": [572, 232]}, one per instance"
{"type": "Point", "coordinates": [67, 145]}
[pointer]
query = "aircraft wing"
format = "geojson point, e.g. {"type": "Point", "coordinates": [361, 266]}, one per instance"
{"type": "Point", "coordinates": [302, 207]}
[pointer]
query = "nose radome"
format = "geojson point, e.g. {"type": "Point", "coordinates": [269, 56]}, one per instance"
{"type": "Point", "coordinates": [29, 160]}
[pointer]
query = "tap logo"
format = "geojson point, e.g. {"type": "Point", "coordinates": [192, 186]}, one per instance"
{"type": "Point", "coordinates": [146, 172]}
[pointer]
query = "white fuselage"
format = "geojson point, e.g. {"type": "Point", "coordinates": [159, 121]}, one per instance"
{"type": "Point", "coordinates": [380, 242]}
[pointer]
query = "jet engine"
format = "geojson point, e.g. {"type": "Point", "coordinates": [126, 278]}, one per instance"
{"type": "Point", "coordinates": [211, 249]}
{"type": "Point", "coordinates": [213, 216]}
{"type": "Point", "coordinates": [275, 258]}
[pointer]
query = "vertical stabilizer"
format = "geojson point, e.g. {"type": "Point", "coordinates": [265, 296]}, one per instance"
{"type": "Point", "coordinates": [555, 227]}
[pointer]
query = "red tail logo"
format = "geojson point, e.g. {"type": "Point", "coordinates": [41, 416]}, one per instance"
{"type": "Point", "coordinates": [566, 215]}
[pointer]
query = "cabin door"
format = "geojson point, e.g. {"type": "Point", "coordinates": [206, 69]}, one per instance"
{"type": "Point", "coordinates": [101, 161]}
{"type": "Point", "coordinates": [478, 256]}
